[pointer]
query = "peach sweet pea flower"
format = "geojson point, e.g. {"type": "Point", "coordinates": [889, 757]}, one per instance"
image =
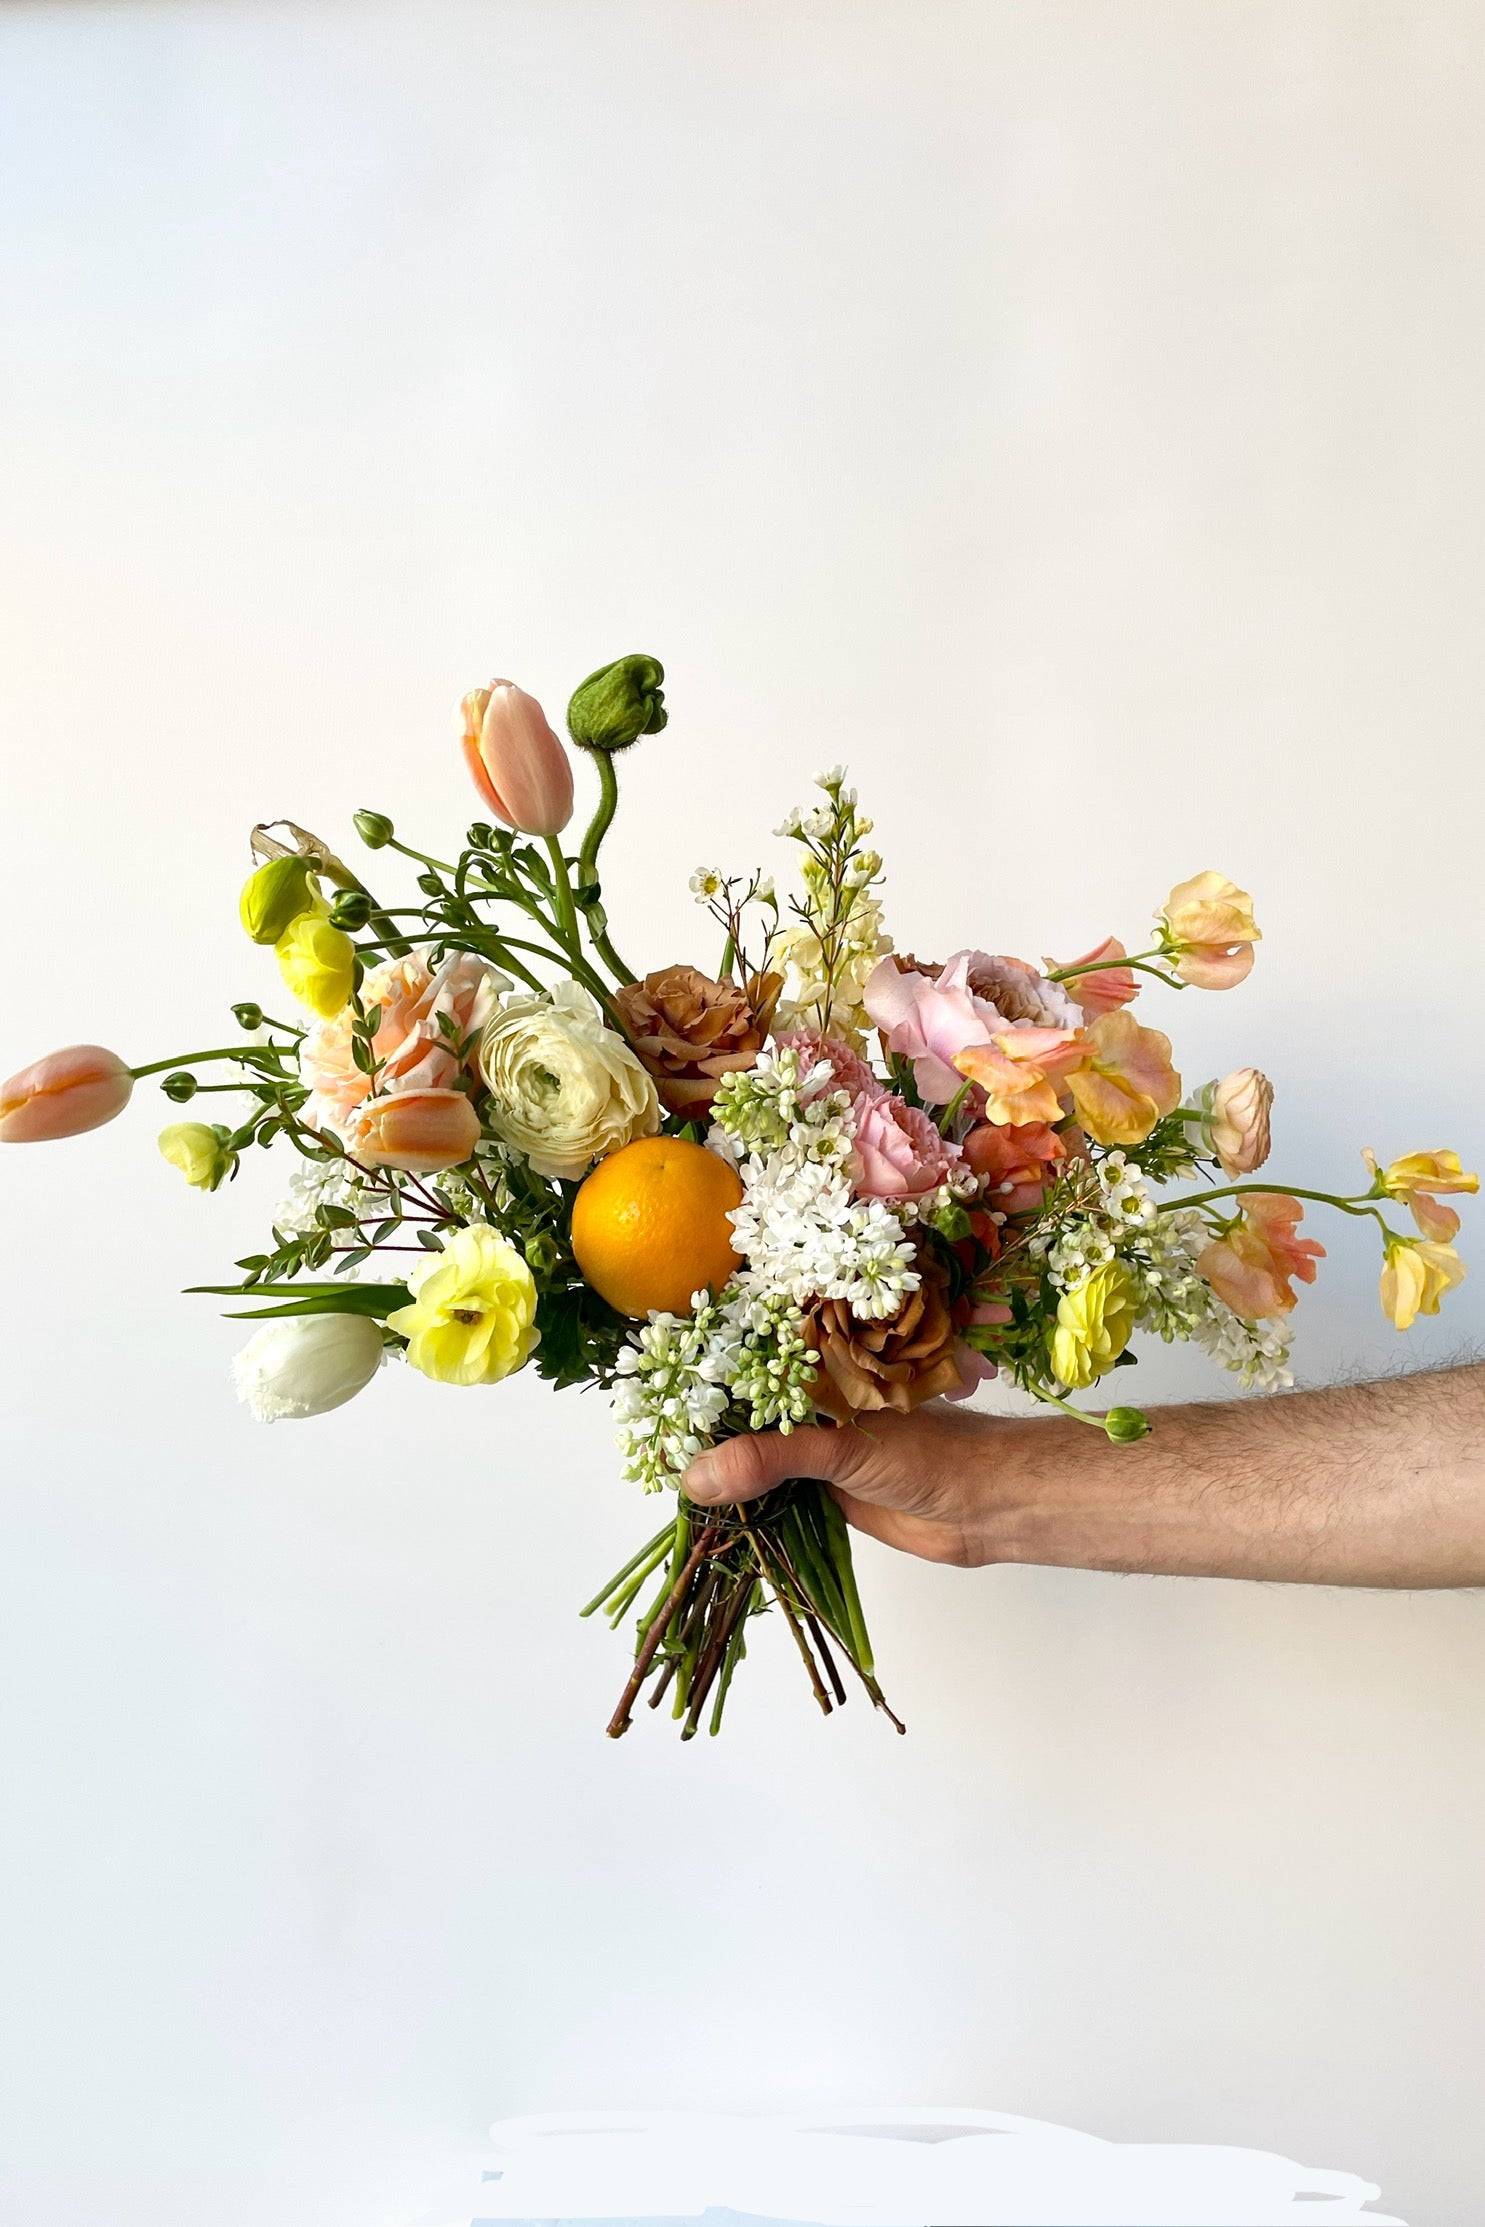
{"type": "Point", "coordinates": [423, 1131]}
{"type": "Point", "coordinates": [1128, 1083]}
{"type": "Point", "coordinates": [1017, 1163]}
{"type": "Point", "coordinates": [413, 1051]}
{"type": "Point", "coordinates": [1415, 1276]}
{"type": "Point", "coordinates": [1019, 1072]}
{"type": "Point", "coordinates": [1241, 1104]}
{"type": "Point", "coordinates": [898, 1152]}
{"type": "Point", "coordinates": [63, 1094]}
{"type": "Point", "coordinates": [928, 1019]}
{"type": "Point", "coordinates": [1105, 991]}
{"type": "Point", "coordinates": [1416, 1177]}
{"type": "Point", "coordinates": [1209, 923]}
{"type": "Point", "coordinates": [1253, 1266]}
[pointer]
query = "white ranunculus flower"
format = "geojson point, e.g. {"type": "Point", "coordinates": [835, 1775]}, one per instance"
{"type": "Point", "coordinates": [307, 1364]}
{"type": "Point", "coordinates": [565, 1088]}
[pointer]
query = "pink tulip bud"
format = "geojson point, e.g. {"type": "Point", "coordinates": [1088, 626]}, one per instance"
{"type": "Point", "coordinates": [515, 761]}
{"type": "Point", "coordinates": [423, 1131]}
{"type": "Point", "coordinates": [63, 1094]}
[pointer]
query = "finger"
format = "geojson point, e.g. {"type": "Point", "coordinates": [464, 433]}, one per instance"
{"type": "Point", "coordinates": [755, 1461]}
{"type": "Point", "coordinates": [930, 1542]}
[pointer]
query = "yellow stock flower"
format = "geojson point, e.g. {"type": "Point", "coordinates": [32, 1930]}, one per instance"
{"type": "Point", "coordinates": [473, 1313]}
{"type": "Point", "coordinates": [196, 1149]}
{"type": "Point", "coordinates": [1415, 1276]}
{"type": "Point", "coordinates": [317, 961]}
{"type": "Point", "coordinates": [1093, 1325]}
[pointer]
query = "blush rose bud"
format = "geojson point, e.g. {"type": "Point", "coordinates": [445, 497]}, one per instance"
{"type": "Point", "coordinates": [421, 1131]}
{"type": "Point", "coordinates": [514, 759]}
{"type": "Point", "coordinates": [275, 895]}
{"type": "Point", "coordinates": [616, 705]}
{"type": "Point", "coordinates": [1241, 1105]}
{"type": "Point", "coordinates": [64, 1094]}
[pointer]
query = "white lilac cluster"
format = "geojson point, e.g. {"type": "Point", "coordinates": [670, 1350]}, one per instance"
{"type": "Point", "coordinates": [671, 1392]}
{"type": "Point", "coordinates": [323, 1183]}
{"type": "Point", "coordinates": [829, 955]}
{"type": "Point", "coordinates": [678, 1374]}
{"type": "Point", "coordinates": [1176, 1301]}
{"type": "Point", "coordinates": [1122, 1213]}
{"type": "Point", "coordinates": [799, 1229]}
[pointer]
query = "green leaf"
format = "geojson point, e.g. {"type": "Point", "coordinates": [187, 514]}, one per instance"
{"type": "Point", "coordinates": [376, 1300]}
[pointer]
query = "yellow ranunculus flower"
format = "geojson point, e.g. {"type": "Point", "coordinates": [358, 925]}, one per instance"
{"type": "Point", "coordinates": [196, 1149]}
{"type": "Point", "coordinates": [473, 1313]}
{"type": "Point", "coordinates": [317, 961]}
{"type": "Point", "coordinates": [1415, 1276]}
{"type": "Point", "coordinates": [1093, 1325]}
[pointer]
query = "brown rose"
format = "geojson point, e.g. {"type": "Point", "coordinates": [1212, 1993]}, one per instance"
{"type": "Point", "coordinates": [690, 1030]}
{"type": "Point", "coordinates": [896, 1364]}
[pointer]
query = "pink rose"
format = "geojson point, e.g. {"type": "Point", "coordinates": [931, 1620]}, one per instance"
{"type": "Point", "coordinates": [414, 1052]}
{"type": "Point", "coordinates": [899, 1152]}
{"type": "Point", "coordinates": [929, 1019]}
{"type": "Point", "coordinates": [1020, 994]}
{"type": "Point", "coordinates": [848, 1069]}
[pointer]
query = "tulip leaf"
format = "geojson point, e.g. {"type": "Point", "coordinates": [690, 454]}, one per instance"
{"type": "Point", "coordinates": [312, 1299]}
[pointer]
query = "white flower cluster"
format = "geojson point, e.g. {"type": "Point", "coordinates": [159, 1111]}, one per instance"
{"type": "Point", "coordinates": [320, 1183]}
{"type": "Point", "coordinates": [799, 1229]}
{"type": "Point", "coordinates": [677, 1375]}
{"type": "Point", "coordinates": [1176, 1302]}
{"type": "Point", "coordinates": [1123, 1212]}
{"type": "Point", "coordinates": [841, 917]}
{"type": "Point", "coordinates": [672, 1391]}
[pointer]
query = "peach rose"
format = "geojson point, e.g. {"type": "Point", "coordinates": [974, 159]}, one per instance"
{"type": "Point", "coordinates": [1253, 1267]}
{"type": "Point", "coordinates": [414, 1052]}
{"type": "Point", "coordinates": [1016, 1162]}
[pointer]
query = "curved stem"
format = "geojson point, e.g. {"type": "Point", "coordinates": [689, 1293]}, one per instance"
{"type": "Point", "coordinates": [1104, 966]}
{"type": "Point", "coordinates": [1283, 1190]}
{"type": "Point", "coordinates": [562, 890]}
{"type": "Point", "coordinates": [603, 817]}
{"type": "Point", "coordinates": [238, 1052]}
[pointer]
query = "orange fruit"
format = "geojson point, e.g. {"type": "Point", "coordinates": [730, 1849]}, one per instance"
{"type": "Point", "coordinates": [650, 1227]}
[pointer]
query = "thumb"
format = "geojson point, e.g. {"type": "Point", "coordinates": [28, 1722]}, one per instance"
{"type": "Point", "coordinates": [754, 1462]}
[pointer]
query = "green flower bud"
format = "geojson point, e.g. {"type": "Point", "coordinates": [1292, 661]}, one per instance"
{"type": "Point", "coordinates": [374, 829]}
{"type": "Point", "coordinates": [616, 705]}
{"type": "Point", "coordinates": [351, 909]}
{"type": "Point", "coordinates": [542, 1254]}
{"type": "Point", "coordinates": [275, 896]}
{"type": "Point", "coordinates": [198, 1151]}
{"type": "Point", "coordinates": [179, 1087]}
{"type": "Point", "coordinates": [1126, 1424]}
{"type": "Point", "coordinates": [248, 1016]}
{"type": "Point", "coordinates": [950, 1220]}
{"type": "Point", "coordinates": [480, 836]}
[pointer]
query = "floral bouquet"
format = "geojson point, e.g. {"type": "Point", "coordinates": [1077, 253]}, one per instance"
{"type": "Point", "coordinates": [827, 1180]}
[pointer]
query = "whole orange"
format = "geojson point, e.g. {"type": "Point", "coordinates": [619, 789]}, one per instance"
{"type": "Point", "coordinates": [650, 1227]}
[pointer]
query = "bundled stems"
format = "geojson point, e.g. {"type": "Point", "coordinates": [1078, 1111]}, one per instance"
{"type": "Point", "coordinates": [791, 1549]}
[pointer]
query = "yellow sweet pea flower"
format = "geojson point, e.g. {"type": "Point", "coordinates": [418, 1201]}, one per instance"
{"type": "Point", "coordinates": [1415, 1276]}
{"type": "Point", "coordinates": [1093, 1327]}
{"type": "Point", "coordinates": [196, 1149]}
{"type": "Point", "coordinates": [1416, 1177]}
{"type": "Point", "coordinates": [317, 961]}
{"type": "Point", "coordinates": [473, 1313]}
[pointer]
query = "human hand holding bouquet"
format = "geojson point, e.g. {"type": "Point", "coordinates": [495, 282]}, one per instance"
{"type": "Point", "coordinates": [827, 1184]}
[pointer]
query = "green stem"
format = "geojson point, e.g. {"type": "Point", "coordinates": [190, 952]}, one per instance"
{"type": "Point", "coordinates": [567, 925]}
{"type": "Point", "coordinates": [1103, 966]}
{"type": "Point", "coordinates": [1284, 1190]}
{"type": "Point", "coordinates": [239, 1052]}
{"type": "Point", "coordinates": [603, 817]}
{"type": "Point", "coordinates": [1050, 1399]}
{"type": "Point", "coordinates": [946, 1118]}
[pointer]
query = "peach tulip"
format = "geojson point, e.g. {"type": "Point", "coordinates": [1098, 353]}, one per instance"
{"type": "Point", "coordinates": [1209, 926]}
{"type": "Point", "coordinates": [1416, 1177]}
{"type": "Point", "coordinates": [1107, 989]}
{"type": "Point", "coordinates": [515, 761]}
{"type": "Point", "coordinates": [1241, 1104]}
{"type": "Point", "coordinates": [64, 1094]}
{"type": "Point", "coordinates": [422, 1131]}
{"type": "Point", "coordinates": [1128, 1083]}
{"type": "Point", "coordinates": [1253, 1267]}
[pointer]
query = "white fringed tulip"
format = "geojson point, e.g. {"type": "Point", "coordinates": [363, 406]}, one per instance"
{"type": "Point", "coordinates": [307, 1364]}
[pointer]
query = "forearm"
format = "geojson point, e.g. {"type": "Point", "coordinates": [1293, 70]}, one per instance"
{"type": "Point", "coordinates": [1378, 1484]}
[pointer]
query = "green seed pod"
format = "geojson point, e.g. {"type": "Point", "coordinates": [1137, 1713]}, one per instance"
{"type": "Point", "coordinates": [1126, 1424]}
{"type": "Point", "coordinates": [275, 896]}
{"type": "Point", "coordinates": [374, 829]}
{"type": "Point", "coordinates": [616, 705]}
{"type": "Point", "coordinates": [351, 909]}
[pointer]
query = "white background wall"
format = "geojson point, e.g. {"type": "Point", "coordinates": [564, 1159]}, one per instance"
{"type": "Point", "coordinates": [1070, 416]}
